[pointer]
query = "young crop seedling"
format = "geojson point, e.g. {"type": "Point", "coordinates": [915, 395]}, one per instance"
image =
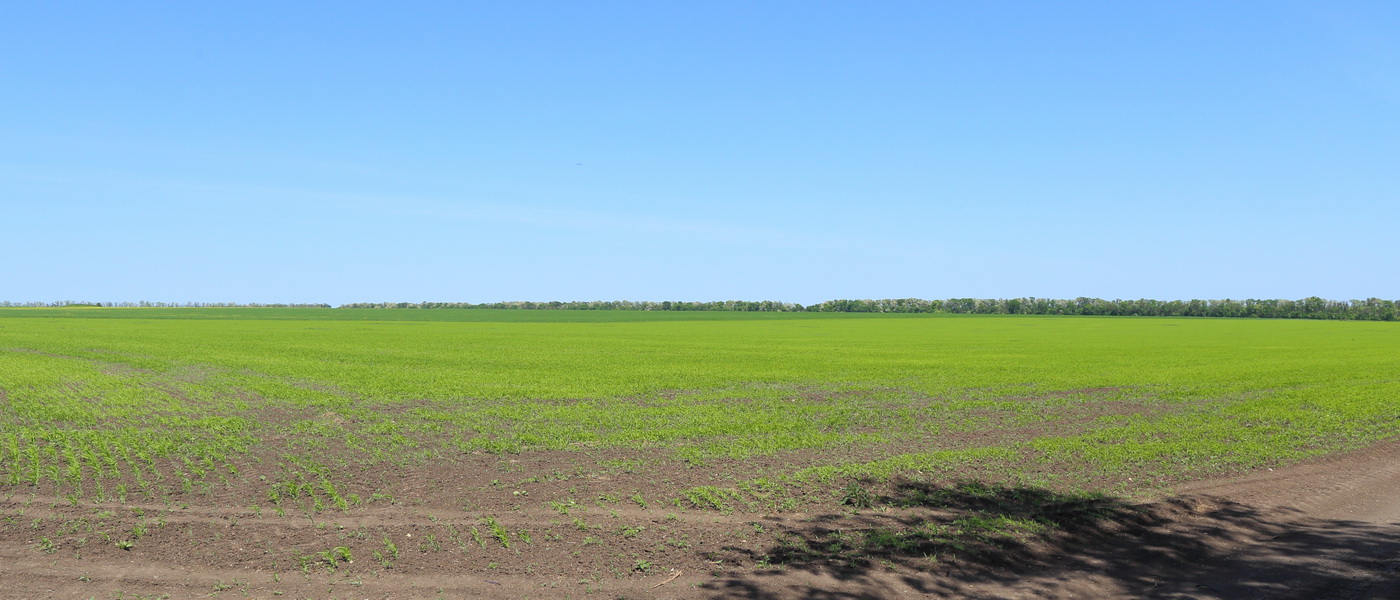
{"type": "Point", "coordinates": [498, 531]}
{"type": "Point", "coordinates": [335, 557]}
{"type": "Point", "coordinates": [476, 537]}
{"type": "Point", "coordinates": [563, 506]}
{"type": "Point", "coordinates": [391, 550]}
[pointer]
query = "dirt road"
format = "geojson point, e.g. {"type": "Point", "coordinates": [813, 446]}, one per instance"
{"type": "Point", "coordinates": [1341, 536]}
{"type": "Point", "coordinates": [1326, 529]}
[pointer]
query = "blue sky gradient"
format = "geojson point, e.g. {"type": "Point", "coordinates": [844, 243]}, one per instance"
{"type": "Point", "coordinates": [797, 151]}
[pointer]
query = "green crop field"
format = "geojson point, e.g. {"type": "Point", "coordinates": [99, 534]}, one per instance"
{"type": "Point", "coordinates": [99, 394]}
{"type": "Point", "coordinates": [317, 412]}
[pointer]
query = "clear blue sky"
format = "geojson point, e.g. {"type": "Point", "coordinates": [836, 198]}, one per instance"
{"type": "Point", "coordinates": [799, 151]}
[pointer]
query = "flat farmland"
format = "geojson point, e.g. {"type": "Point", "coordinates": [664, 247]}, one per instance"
{"type": "Point", "coordinates": [540, 454]}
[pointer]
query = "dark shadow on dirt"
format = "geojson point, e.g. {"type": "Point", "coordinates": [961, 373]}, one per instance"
{"type": "Point", "coordinates": [973, 540]}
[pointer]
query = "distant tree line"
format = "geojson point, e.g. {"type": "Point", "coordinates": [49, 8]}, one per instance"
{"type": "Point", "coordinates": [147, 304]}
{"type": "Point", "coordinates": [729, 305]}
{"type": "Point", "coordinates": [1371, 309]}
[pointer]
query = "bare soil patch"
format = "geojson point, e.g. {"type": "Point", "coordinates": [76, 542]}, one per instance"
{"type": "Point", "coordinates": [1325, 529]}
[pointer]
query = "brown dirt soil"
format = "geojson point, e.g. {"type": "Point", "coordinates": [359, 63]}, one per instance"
{"type": "Point", "coordinates": [1325, 529]}
{"type": "Point", "coordinates": [1329, 528]}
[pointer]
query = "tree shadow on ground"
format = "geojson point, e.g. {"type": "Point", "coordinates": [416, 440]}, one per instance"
{"type": "Point", "coordinates": [973, 540]}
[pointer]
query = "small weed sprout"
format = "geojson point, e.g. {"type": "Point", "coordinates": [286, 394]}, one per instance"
{"type": "Point", "coordinates": [857, 496]}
